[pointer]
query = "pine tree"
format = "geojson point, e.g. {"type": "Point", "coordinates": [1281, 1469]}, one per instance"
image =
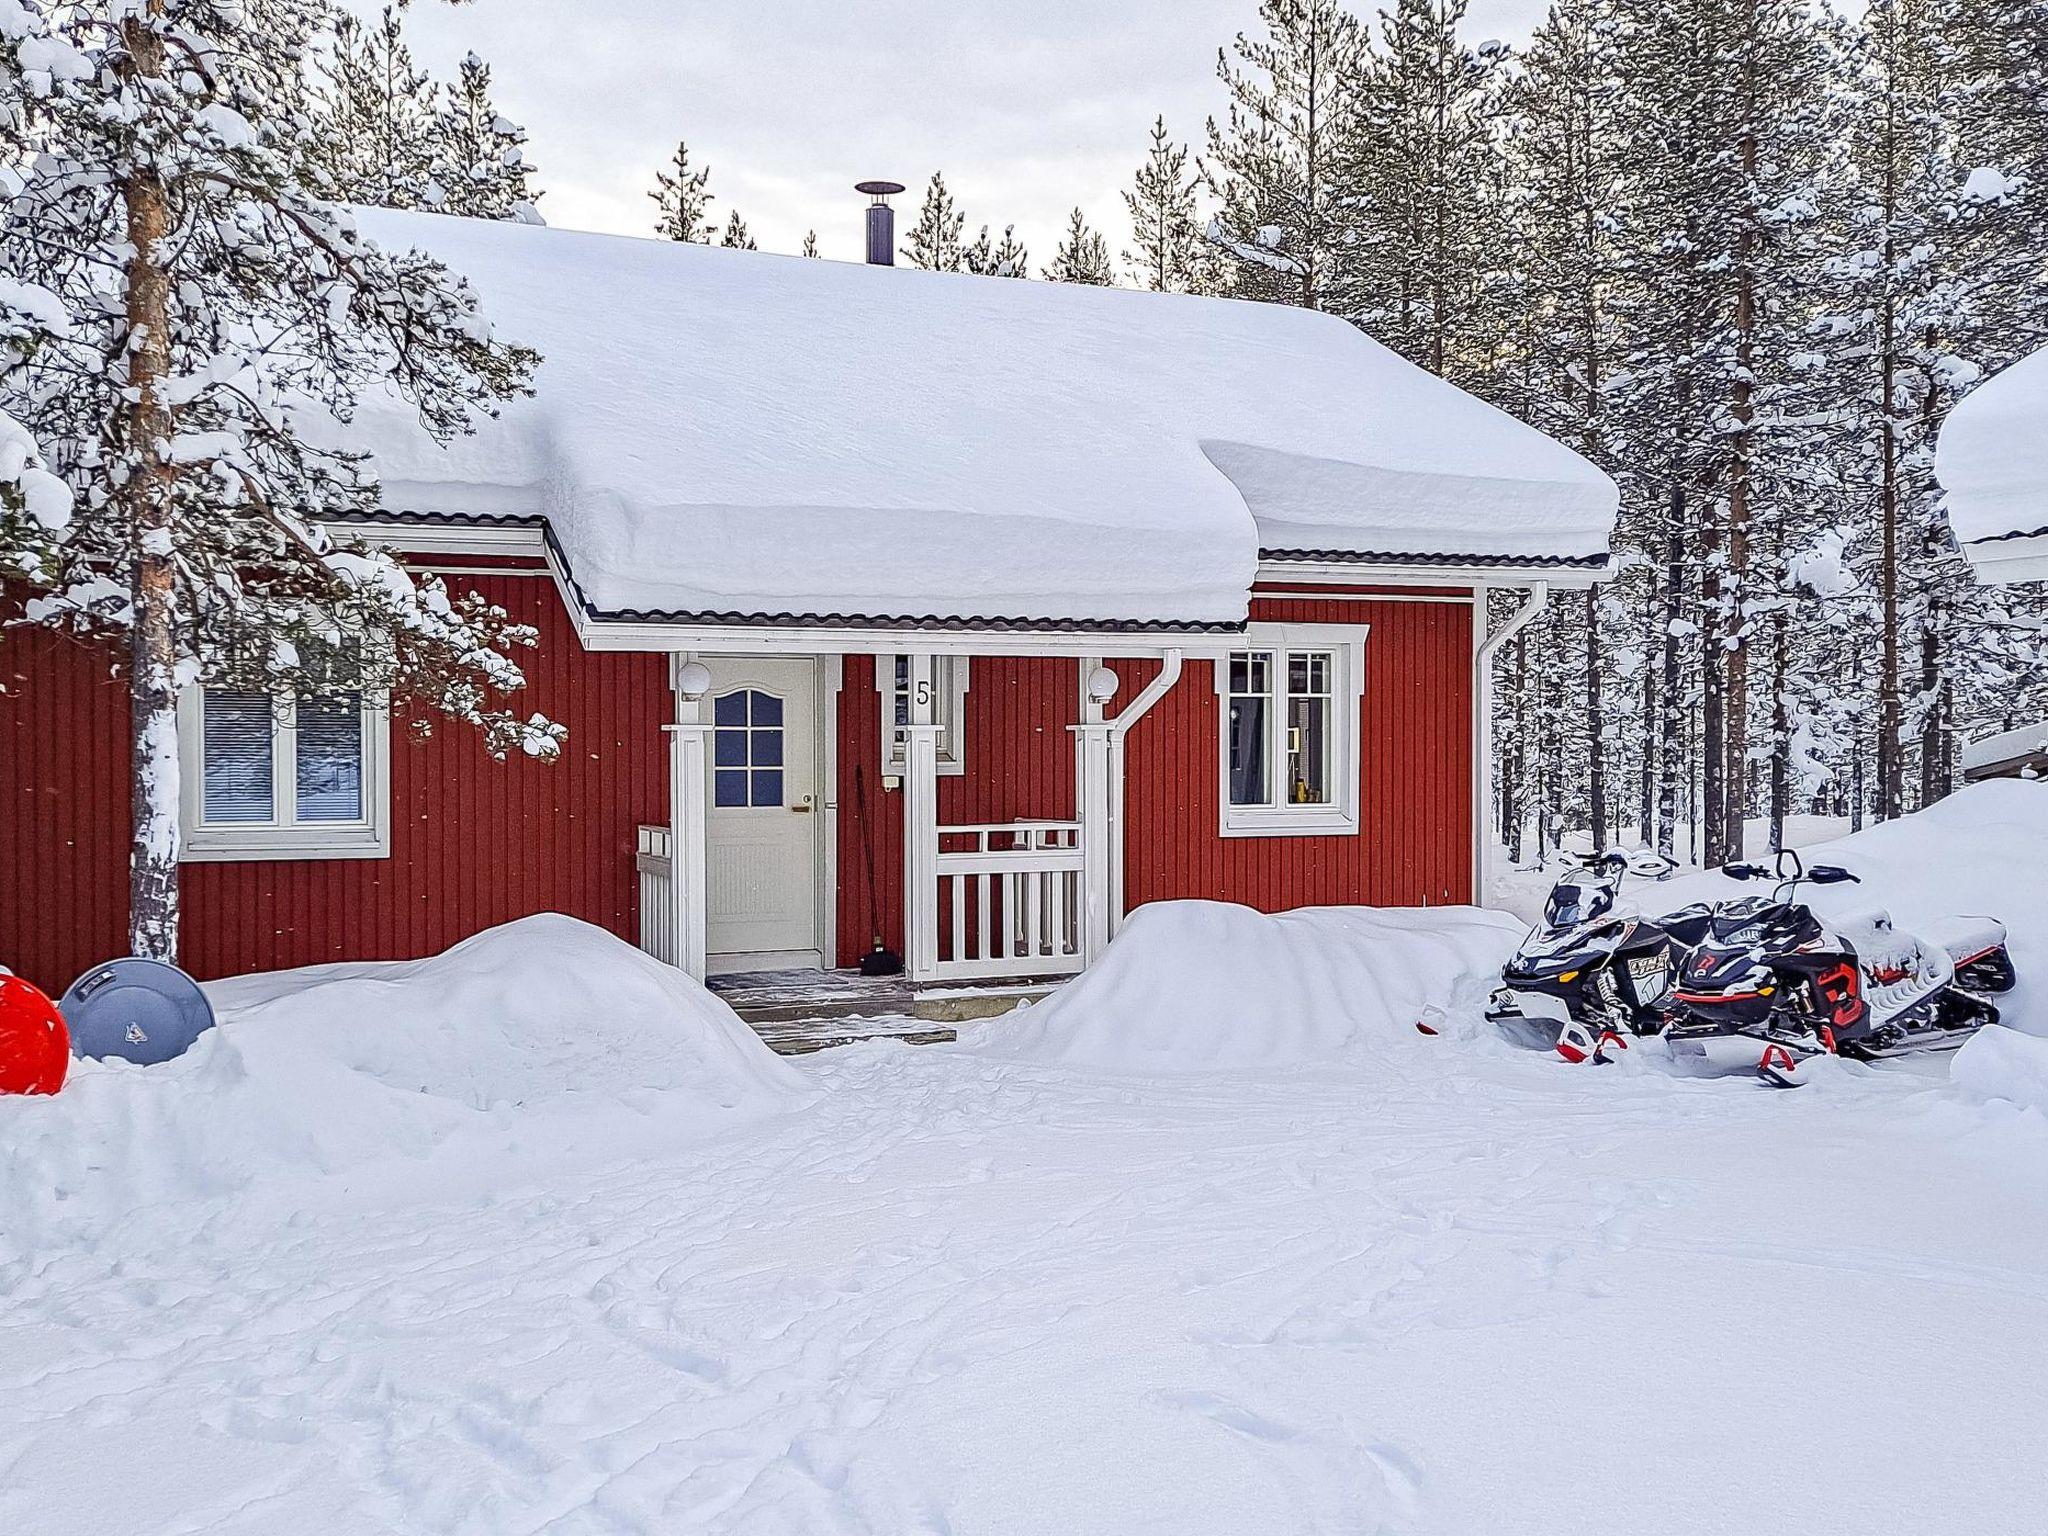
{"type": "Point", "coordinates": [985, 258]}
{"type": "Point", "coordinates": [736, 237]}
{"type": "Point", "coordinates": [1276, 164]}
{"type": "Point", "coordinates": [201, 504]}
{"type": "Point", "coordinates": [480, 159]}
{"type": "Point", "coordinates": [381, 137]}
{"type": "Point", "coordinates": [1420, 159]}
{"type": "Point", "coordinates": [1082, 257]}
{"type": "Point", "coordinates": [1169, 253]}
{"type": "Point", "coordinates": [810, 242]}
{"type": "Point", "coordinates": [934, 242]}
{"type": "Point", "coordinates": [684, 199]}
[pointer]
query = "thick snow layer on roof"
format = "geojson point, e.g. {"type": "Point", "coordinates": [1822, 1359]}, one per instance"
{"type": "Point", "coordinates": [723, 431]}
{"type": "Point", "coordinates": [1992, 461]}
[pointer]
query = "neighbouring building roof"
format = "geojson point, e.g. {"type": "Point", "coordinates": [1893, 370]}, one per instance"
{"type": "Point", "coordinates": [1992, 460]}
{"type": "Point", "coordinates": [2008, 754]}
{"type": "Point", "coordinates": [733, 433]}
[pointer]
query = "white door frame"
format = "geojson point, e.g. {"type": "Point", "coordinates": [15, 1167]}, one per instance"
{"type": "Point", "coordinates": [691, 749]}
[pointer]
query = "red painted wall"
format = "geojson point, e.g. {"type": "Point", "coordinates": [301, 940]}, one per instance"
{"type": "Point", "coordinates": [474, 842]}
{"type": "Point", "coordinates": [1415, 848]}
{"type": "Point", "coordinates": [477, 842]}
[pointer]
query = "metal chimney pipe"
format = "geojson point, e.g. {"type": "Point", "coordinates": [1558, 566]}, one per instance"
{"type": "Point", "coordinates": [881, 221]}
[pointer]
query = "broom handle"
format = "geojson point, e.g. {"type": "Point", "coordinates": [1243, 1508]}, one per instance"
{"type": "Point", "coordinates": [867, 848]}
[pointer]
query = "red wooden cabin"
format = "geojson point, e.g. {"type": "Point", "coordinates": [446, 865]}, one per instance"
{"type": "Point", "coordinates": [1043, 602]}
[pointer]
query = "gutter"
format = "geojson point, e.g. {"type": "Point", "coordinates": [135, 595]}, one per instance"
{"type": "Point", "coordinates": [1119, 728]}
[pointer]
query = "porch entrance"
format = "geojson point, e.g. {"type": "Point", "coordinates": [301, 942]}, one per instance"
{"type": "Point", "coordinates": [763, 823]}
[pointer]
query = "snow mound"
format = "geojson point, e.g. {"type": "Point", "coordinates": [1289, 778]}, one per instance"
{"type": "Point", "coordinates": [2004, 1064]}
{"type": "Point", "coordinates": [1192, 986]}
{"type": "Point", "coordinates": [540, 1041]}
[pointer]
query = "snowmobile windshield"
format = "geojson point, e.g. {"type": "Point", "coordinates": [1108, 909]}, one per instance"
{"type": "Point", "coordinates": [1571, 905]}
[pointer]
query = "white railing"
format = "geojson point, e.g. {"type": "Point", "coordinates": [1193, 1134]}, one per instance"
{"type": "Point", "coordinates": [657, 893]}
{"type": "Point", "coordinates": [1009, 899]}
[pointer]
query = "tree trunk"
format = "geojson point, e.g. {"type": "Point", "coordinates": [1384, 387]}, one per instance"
{"type": "Point", "coordinates": [1934, 721]}
{"type": "Point", "coordinates": [1671, 749]}
{"type": "Point", "coordinates": [1781, 732]}
{"type": "Point", "coordinates": [152, 662]}
{"type": "Point", "coordinates": [1596, 746]}
{"type": "Point", "coordinates": [1517, 763]}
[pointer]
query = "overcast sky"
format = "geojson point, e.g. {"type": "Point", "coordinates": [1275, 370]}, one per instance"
{"type": "Point", "coordinates": [1029, 108]}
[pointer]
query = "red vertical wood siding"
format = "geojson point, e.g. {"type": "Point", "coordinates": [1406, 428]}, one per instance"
{"type": "Point", "coordinates": [1415, 808]}
{"type": "Point", "coordinates": [1414, 846]}
{"type": "Point", "coordinates": [474, 841]}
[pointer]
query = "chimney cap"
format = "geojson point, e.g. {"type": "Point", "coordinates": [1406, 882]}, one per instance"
{"type": "Point", "coordinates": [878, 188]}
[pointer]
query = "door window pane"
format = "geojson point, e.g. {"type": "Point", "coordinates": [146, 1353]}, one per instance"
{"type": "Point", "coordinates": [748, 736]}
{"type": "Point", "coordinates": [238, 748]}
{"type": "Point", "coordinates": [330, 753]}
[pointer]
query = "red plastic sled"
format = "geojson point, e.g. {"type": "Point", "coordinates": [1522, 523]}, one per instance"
{"type": "Point", "coordinates": [35, 1047]}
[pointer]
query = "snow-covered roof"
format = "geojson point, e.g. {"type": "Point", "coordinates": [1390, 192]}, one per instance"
{"type": "Point", "coordinates": [730, 433]}
{"type": "Point", "coordinates": [1992, 461]}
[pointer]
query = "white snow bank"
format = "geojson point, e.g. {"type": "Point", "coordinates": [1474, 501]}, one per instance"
{"type": "Point", "coordinates": [718, 431]}
{"type": "Point", "coordinates": [1980, 852]}
{"type": "Point", "coordinates": [540, 1040]}
{"type": "Point", "coordinates": [1191, 986]}
{"type": "Point", "coordinates": [1992, 460]}
{"type": "Point", "coordinates": [2004, 1064]}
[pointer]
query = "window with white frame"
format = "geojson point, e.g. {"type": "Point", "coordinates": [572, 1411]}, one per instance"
{"type": "Point", "coordinates": [949, 692]}
{"type": "Point", "coordinates": [1288, 736]}
{"type": "Point", "coordinates": [269, 776]}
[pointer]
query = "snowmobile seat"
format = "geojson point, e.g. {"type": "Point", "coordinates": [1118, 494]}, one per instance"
{"type": "Point", "coordinates": [1965, 938]}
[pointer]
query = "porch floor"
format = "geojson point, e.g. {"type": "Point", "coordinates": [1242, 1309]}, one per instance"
{"type": "Point", "coordinates": [796, 1012]}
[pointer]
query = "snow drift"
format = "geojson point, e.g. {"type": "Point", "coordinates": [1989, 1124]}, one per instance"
{"type": "Point", "coordinates": [2004, 1064]}
{"type": "Point", "coordinates": [1192, 986]}
{"type": "Point", "coordinates": [541, 1040]}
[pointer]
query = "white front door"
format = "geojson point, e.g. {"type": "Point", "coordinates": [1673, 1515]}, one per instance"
{"type": "Point", "coordinates": [761, 831]}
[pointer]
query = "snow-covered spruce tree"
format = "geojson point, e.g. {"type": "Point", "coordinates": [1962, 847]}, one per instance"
{"type": "Point", "coordinates": [1419, 167]}
{"type": "Point", "coordinates": [736, 237]}
{"type": "Point", "coordinates": [480, 154]}
{"type": "Point", "coordinates": [1570, 209]}
{"type": "Point", "coordinates": [1082, 257]}
{"type": "Point", "coordinates": [35, 505]}
{"type": "Point", "coordinates": [684, 197]}
{"type": "Point", "coordinates": [381, 133]}
{"type": "Point", "coordinates": [934, 243]}
{"type": "Point", "coordinates": [220, 320]}
{"type": "Point", "coordinates": [1285, 226]}
{"type": "Point", "coordinates": [1168, 252]}
{"type": "Point", "coordinates": [1004, 258]}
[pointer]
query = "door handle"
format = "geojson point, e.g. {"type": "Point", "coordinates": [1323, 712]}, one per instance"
{"type": "Point", "coordinates": [802, 807]}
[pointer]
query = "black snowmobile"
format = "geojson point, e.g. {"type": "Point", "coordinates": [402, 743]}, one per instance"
{"type": "Point", "coordinates": [1771, 985]}
{"type": "Point", "coordinates": [1587, 978]}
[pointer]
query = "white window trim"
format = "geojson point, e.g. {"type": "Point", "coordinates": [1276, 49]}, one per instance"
{"type": "Point", "coordinates": [1346, 642]}
{"type": "Point", "coordinates": [950, 674]}
{"type": "Point", "coordinates": [199, 843]}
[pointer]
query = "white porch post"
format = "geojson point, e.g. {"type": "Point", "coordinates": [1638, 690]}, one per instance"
{"type": "Point", "coordinates": [1099, 850]}
{"type": "Point", "coordinates": [689, 742]}
{"type": "Point", "coordinates": [921, 825]}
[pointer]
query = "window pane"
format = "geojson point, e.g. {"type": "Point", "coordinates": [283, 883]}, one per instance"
{"type": "Point", "coordinates": [729, 787]}
{"type": "Point", "coordinates": [330, 746]}
{"type": "Point", "coordinates": [1248, 752]}
{"type": "Point", "coordinates": [1249, 672]}
{"type": "Point", "coordinates": [768, 748]}
{"type": "Point", "coordinates": [767, 709]}
{"type": "Point", "coordinates": [729, 709]}
{"type": "Point", "coordinates": [768, 787]}
{"type": "Point", "coordinates": [1308, 672]}
{"type": "Point", "coordinates": [1308, 751]}
{"type": "Point", "coordinates": [237, 745]}
{"type": "Point", "coordinates": [729, 748]}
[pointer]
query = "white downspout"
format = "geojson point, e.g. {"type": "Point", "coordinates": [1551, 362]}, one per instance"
{"type": "Point", "coordinates": [1119, 728]}
{"type": "Point", "coordinates": [1483, 654]}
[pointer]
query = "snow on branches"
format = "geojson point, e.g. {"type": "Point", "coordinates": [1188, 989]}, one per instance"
{"type": "Point", "coordinates": [191, 333]}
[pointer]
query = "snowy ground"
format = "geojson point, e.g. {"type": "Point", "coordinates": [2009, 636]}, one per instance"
{"type": "Point", "coordinates": [1015, 1285]}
